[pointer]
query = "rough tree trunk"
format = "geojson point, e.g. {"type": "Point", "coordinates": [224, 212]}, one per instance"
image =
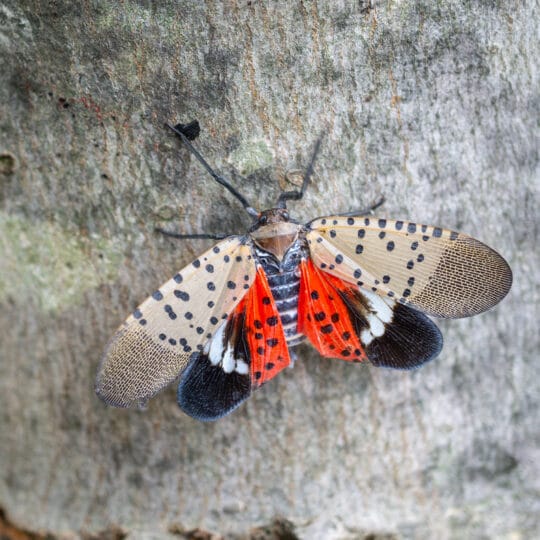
{"type": "Point", "coordinates": [433, 103]}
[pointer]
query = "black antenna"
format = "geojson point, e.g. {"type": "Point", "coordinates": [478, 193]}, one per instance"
{"type": "Point", "coordinates": [297, 195]}
{"type": "Point", "coordinates": [191, 131]}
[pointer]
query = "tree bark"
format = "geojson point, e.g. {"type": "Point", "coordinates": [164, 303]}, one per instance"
{"type": "Point", "coordinates": [432, 103]}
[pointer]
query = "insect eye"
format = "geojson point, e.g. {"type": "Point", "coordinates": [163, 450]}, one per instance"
{"type": "Point", "coordinates": [285, 215]}
{"type": "Point", "coordinates": [263, 219]}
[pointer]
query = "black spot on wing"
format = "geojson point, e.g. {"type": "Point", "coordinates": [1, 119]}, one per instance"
{"type": "Point", "coordinates": [409, 341]}
{"type": "Point", "coordinates": [182, 295]}
{"type": "Point", "coordinates": [207, 393]}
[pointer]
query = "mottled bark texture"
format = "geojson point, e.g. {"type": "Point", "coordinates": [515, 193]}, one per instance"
{"type": "Point", "coordinates": [433, 103]}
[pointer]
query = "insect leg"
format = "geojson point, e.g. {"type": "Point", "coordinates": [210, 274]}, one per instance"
{"type": "Point", "coordinates": [297, 195]}
{"type": "Point", "coordinates": [220, 236]}
{"type": "Point", "coordinates": [190, 131]}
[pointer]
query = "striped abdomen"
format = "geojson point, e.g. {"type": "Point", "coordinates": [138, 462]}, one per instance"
{"type": "Point", "coordinates": [285, 287]}
{"type": "Point", "coordinates": [284, 281]}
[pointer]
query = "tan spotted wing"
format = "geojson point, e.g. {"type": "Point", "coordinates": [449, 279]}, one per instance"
{"type": "Point", "coordinates": [440, 272]}
{"type": "Point", "coordinates": [152, 348]}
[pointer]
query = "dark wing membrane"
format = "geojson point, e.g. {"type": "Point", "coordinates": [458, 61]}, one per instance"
{"type": "Point", "coordinates": [207, 393]}
{"type": "Point", "coordinates": [218, 380]}
{"type": "Point", "coordinates": [155, 344]}
{"type": "Point", "coordinates": [393, 335]}
{"type": "Point", "coordinates": [437, 271]}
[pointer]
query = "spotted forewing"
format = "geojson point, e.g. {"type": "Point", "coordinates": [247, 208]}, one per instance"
{"type": "Point", "coordinates": [153, 347]}
{"type": "Point", "coordinates": [438, 271]}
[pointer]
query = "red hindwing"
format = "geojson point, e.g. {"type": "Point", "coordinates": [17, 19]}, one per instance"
{"type": "Point", "coordinates": [323, 316]}
{"type": "Point", "coordinates": [264, 332]}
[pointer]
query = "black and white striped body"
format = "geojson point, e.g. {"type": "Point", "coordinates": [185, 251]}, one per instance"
{"type": "Point", "coordinates": [284, 281]}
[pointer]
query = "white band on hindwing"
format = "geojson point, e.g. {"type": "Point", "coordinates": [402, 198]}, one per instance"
{"type": "Point", "coordinates": [381, 313]}
{"type": "Point", "coordinates": [221, 353]}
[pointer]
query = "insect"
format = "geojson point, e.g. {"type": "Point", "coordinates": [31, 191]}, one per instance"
{"type": "Point", "coordinates": [358, 288]}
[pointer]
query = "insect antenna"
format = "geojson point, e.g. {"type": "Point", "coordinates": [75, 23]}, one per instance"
{"type": "Point", "coordinates": [297, 195]}
{"type": "Point", "coordinates": [191, 131]}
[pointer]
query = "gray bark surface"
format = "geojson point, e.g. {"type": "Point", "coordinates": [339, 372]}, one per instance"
{"type": "Point", "coordinates": [434, 104]}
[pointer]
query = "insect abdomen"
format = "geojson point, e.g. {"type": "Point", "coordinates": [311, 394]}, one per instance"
{"type": "Point", "coordinates": [285, 287]}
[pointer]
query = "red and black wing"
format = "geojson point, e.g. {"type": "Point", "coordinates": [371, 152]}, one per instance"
{"type": "Point", "coordinates": [247, 351]}
{"type": "Point", "coordinates": [324, 317]}
{"type": "Point", "coordinates": [342, 321]}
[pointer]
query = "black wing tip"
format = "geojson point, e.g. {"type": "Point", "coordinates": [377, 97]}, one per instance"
{"type": "Point", "coordinates": [207, 393]}
{"type": "Point", "coordinates": [191, 130]}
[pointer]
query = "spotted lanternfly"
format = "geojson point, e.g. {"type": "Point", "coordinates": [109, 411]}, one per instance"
{"type": "Point", "coordinates": [357, 287]}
